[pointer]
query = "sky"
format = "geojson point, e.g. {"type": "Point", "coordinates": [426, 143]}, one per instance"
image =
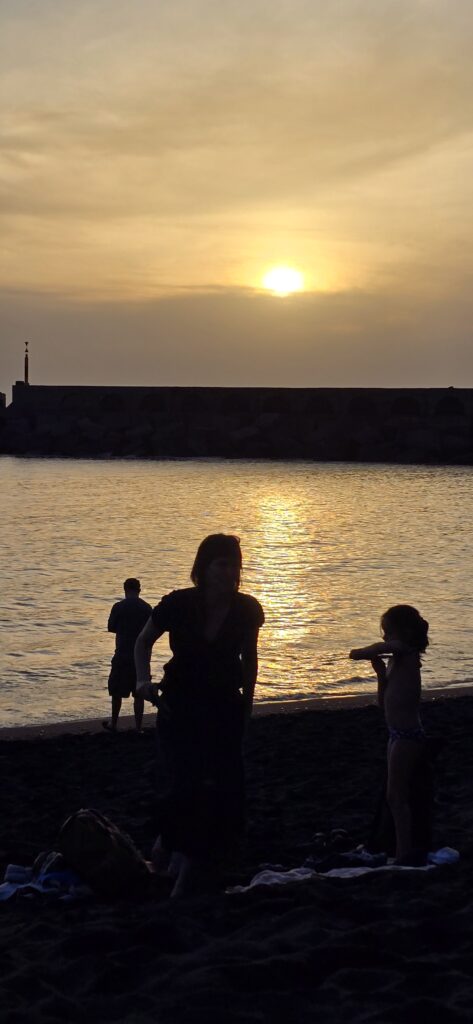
{"type": "Point", "coordinates": [157, 159]}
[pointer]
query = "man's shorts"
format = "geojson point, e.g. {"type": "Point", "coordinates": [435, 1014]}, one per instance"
{"type": "Point", "coordinates": [122, 679]}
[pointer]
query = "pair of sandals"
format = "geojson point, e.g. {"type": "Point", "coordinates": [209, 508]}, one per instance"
{"type": "Point", "coordinates": [113, 729]}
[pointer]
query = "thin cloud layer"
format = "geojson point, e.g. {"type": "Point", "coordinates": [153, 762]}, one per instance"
{"type": "Point", "coordinates": [243, 338]}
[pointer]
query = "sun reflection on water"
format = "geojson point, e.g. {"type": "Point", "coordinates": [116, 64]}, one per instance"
{"type": "Point", "coordinates": [285, 579]}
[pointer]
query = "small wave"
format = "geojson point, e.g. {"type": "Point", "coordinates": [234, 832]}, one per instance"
{"type": "Point", "coordinates": [451, 684]}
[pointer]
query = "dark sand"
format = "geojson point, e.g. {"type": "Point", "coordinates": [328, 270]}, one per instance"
{"type": "Point", "coordinates": [389, 948]}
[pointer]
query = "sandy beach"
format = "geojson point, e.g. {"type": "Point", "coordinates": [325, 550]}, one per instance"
{"type": "Point", "coordinates": [390, 947]}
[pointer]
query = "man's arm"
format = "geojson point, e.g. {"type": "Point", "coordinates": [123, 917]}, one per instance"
{"type": "Point", "coordinates": [112, 620]}
{"type": "Point", "coordinates": [249, 661]}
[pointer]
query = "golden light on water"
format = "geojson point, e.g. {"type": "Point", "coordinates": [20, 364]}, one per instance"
{"type": "Point", "coordinates": [284, 529]}
{"type": "Point", "coordinates": [283, 281]}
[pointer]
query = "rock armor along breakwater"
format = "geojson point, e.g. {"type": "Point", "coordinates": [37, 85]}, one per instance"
{"type": "Point", "coordinates": [418, 425]}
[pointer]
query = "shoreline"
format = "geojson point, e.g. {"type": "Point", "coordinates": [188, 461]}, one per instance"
{"type": "Point", "coordinates": [48, 730]}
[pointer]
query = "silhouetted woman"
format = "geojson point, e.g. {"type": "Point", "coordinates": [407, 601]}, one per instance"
{"type": "Point", "coordinates": [203, 701]}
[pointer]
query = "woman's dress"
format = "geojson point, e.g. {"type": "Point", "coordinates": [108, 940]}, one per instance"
{"type": "Point", "coordinates": [201, 721]}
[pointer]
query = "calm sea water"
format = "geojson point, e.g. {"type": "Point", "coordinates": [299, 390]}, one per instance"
{"type": "Point", "coordinates": [327, 548]}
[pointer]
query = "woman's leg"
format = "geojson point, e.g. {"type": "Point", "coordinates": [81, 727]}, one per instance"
{"type": "Point", "coordinates": [228, 772]}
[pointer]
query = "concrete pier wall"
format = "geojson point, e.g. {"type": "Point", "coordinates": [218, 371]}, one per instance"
{"type": "Point", "coordinates": [386, 424]}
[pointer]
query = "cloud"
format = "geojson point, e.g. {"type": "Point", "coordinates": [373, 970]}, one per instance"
{"type": "Point", "coordinates": [298, 97]}
{"type": "Point", "coordinates": [156, 148]}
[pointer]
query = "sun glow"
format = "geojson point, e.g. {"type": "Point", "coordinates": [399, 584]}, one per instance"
{"type": "Point", "coordinates": [283, 281]}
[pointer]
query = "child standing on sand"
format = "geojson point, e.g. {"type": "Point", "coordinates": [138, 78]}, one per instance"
{"type": "Point", "coordinates": [405, 635]}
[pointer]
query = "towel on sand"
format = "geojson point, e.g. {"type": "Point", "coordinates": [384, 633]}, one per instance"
{"type": "Point", "coordinates": [446, 855]}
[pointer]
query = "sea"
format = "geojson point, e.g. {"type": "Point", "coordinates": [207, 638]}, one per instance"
{"type": "Point", "coordinates": [327, 548]}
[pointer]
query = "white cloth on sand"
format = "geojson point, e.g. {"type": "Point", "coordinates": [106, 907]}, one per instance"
{"type": "Point", "coordinates": [446, 855]}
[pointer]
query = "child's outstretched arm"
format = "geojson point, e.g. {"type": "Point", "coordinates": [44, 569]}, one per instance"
{"type": "Point", "coordinates": [378, 650]}
{"type": "Point", "coordinates": [367, 653]}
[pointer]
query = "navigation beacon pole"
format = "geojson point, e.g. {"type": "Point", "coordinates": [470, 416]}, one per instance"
{"type": "Point", "coordinates": [26, 364]}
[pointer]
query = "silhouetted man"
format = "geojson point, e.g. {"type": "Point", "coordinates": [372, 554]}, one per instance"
{"type": "Point", "coordinates": [126, 620]}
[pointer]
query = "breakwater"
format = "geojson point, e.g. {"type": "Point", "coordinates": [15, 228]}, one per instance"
{"type": "Point", "coordinates": [418, 425]}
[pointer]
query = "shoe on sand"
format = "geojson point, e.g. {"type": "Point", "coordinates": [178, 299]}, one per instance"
{"type": "Point", "coordinates": [108, 726]}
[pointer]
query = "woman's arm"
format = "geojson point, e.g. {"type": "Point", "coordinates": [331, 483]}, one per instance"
{"type": "Point", "coordinates": [249, 661]}
{"type": "Point", "coordinates": [143, 647]}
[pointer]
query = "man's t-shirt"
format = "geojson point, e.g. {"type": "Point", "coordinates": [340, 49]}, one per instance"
{"type": "Point", "coordinates": [127, 619]}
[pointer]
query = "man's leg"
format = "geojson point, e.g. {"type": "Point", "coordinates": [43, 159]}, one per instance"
{"type": "Point", "coordinates": [138, 707]}
{"type": "Point", "coordinates": [116, 705]}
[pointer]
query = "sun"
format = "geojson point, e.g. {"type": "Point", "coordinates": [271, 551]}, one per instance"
{"type": "Point", "coordinates": [283, 281]}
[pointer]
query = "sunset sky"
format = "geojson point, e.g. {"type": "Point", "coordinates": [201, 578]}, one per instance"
{"type": "Point", "coordinates": [159, 158]}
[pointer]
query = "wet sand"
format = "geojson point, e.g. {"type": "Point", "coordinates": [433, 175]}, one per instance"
{"type": "Point", "coordinates": [261, 708]}
{"type": "Point", "coordinates": [388, 948]}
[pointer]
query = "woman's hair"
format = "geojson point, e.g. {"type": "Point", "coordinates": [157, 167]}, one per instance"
{"type": "Point", "coordinates": [409, 624]}
{"type": "Point", "coordinates": [217, 545]}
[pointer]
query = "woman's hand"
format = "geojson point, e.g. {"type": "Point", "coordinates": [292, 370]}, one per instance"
{"type": "Point", "coordinates": [148, 691]}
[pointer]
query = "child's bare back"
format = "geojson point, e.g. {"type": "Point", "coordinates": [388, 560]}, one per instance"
{"type": "Point", "coordinates": [402, 692]}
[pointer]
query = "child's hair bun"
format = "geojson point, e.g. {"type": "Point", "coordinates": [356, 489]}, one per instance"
{"type": "Point", "coordinates": [409, 624]}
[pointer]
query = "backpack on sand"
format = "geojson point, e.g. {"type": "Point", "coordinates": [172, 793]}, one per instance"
{"type": "Point", "coordinates": [103, 855]}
